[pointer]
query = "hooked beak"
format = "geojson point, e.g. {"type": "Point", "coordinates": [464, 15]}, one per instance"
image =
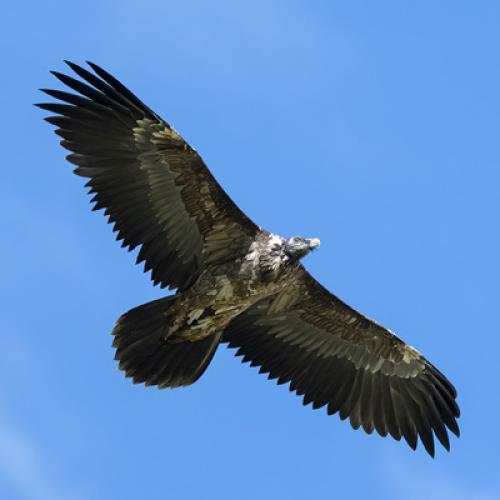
{"type": "Point", "coordinates": [314, 243]}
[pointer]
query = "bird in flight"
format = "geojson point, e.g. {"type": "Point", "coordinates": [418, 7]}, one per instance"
{"type": "Point", "coordinates": [235, 282]}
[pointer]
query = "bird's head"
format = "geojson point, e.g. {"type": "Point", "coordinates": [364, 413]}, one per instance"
{"type": "Point", "coordinates": [297, 247]}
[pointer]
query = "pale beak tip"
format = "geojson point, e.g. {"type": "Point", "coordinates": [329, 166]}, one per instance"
{"type": "Point", "coordinates": [314, 243]}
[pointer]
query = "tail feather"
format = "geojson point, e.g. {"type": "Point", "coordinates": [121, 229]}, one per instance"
{"type": "Point", "coordinates": [145, 355]}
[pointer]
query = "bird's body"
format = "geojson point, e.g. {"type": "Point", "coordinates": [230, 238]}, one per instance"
{"type": "Point", "coordinates": [235, 282]}
{"type": "Point", "coordinates": [223, 291]}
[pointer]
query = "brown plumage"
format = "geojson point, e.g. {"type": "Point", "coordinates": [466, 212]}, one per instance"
{"type": "Point", "coordinates": [235, 282]}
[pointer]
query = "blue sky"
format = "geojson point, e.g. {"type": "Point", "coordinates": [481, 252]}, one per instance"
{"type": "Point", "coordinates": [372, 125]}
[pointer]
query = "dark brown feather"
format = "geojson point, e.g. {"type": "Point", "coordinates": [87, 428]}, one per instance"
{"type": "Point", "coordinates": [335, 356]}
{"type": "Point", "coordinates": [153, 186]}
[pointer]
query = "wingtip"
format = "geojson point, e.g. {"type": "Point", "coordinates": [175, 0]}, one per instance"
{"type": "Point", "coordinates": [72, 65]}
{"type": "Point", "coordinates": [60, 76]}
{"type": "Point", "coordinates": [45, 91]}
{"type": "Point", "coordinates": [430, 449]}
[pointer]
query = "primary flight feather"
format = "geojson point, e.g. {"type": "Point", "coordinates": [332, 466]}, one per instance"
{"type": "Point", "coordinates": [235, 282]}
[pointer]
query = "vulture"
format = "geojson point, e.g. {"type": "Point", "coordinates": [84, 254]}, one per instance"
{"type": "Point", "coordinates": [234, 282]}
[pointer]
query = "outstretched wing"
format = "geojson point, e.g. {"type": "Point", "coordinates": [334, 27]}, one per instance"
{"type": "Point", "coordinates": [153, 186]}
{"type": "Point", "coordinates": [332, 355]}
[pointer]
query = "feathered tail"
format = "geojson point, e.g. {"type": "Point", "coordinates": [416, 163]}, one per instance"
{"type": "Point", "coordinates": [147, 357]}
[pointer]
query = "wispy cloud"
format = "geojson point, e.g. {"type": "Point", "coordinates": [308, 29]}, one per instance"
{"type": "Point", "coordinates": [413, 483]}
{"type": "Point", "coordinates": [27, 466]}
{"type": "Point", "coordinates": [23, 464]}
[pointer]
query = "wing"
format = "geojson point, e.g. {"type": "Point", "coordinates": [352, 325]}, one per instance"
{"type": "Point", "coordinates": [334, 356]}
{"type": "Point", "coordinates": [154, 187]}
